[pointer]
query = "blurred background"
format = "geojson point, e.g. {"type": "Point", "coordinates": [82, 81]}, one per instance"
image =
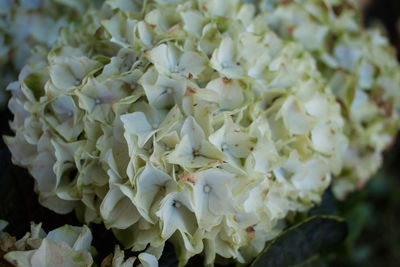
{"type": "Point", "coordinates": [373, 214]}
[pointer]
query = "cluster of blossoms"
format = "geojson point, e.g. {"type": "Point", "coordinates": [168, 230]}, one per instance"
{"type": "Point", "coordinates": [187, 121]}
{"type": "Point", "coordinates": [67, 246]}
{"type": "Point", "coordinates": [27, 25]}
{"type": "Point", "coordinates": [361, 69]}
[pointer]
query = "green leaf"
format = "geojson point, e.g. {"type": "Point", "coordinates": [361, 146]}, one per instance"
{"type": "Point", "coordinates": [327, 205]}
{"type": "Point", "coordinates": [358, 217]}
{"type": "Point", "coordinates": [303, 241]}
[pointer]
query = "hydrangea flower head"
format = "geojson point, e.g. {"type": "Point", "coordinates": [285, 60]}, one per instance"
{"type": "Point", "coordinates": [64, 246]}
{"type": "Point", "coordinates": [361, 69]}
{"type": "Point", "coordinates": [187, 121]}
{"type": "Point", "coordinates": [28, 28]}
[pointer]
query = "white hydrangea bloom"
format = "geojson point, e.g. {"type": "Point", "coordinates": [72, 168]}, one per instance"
{"type": "Point", "coordinates": [64, 246]}
{"type": "Point", "coordinates": [29, 28]}
{"type": "Point", "coordinates": [118, 259]}
{"type": "Point", "coordinates": [362, 72]}
{"type": "Point", "coordinates": [203, 132]}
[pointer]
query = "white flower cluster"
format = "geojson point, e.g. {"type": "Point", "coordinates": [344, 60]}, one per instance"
{"type": "Point", "coordinates": [187, 121]}
{"type": "Point", "coordinates": [64, 246]}
{"type": "Point", "coordinates": [32, 25]}
{"type": "Point", "coordinates": [67, 246]}
{"type": "Point", "coordinates": [362, 72]}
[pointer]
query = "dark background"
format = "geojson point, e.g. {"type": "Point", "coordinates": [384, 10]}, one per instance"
{"type": "Point", "coordinates": [373, 214]}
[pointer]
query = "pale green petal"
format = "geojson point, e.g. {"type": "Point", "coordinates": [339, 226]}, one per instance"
{"type": "Point", "coordinates": [193, 21]}
{"type": "Point", "coordinates": [224, 59]}
{"type": "Point", "coordinates": [68, 73]}
{"type": "Point", "coordinates": [212, 196]}
{"type": "Point", "coordinates": [137, 124]}
{"type": "Point", "coordinates": [150, 183]}
{"type": "Point", "coordinates": [229, 92]}
{"type": "Point", "coordinates": [191, 64]}
{"type": "Point", "coordinates": [121, 29]}
{"type": "Point", "coordinates": [164, 58]}
{"type": "Point", "coordinates": [294, 118]}
{"type": "Point", "coordinates": [128, 5]}
{"type": "Point", "coordinates": [117, 210]}
{"type": "Point", "coordinates": [118, 259]}
{"type": "Point", "coordinates": [161, 91]}
{"type": "Point", "coordinates": [176, 214]}
{"type": "Point", "coordinates": [23, 258]}
{"type": "Point", "coordinates": [148, 260]}
{"type": "Point", "coordinates": [194, 132]}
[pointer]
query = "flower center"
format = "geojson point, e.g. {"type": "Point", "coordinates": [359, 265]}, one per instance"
{"type": "Point", "coordinates": [174, 69]}
{"type": "Point", "coordinates": [127, 66]}
{"type": "Point", "coordinates": [224, 147]}
{"type": "Point", "coordinates": [176, 204]}
{"type": "Point", "coordinates": [196, 153]}
{"type": "Point", "coordinates": [224, 65]}
{"type": "Point", "coordinates": [207, 188]}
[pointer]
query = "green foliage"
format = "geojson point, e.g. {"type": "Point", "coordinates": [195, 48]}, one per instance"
{"type": "Point", "coordinates": [302, 242]}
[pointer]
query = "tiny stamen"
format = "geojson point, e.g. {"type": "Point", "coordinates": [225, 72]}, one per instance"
{"type": "Point", "coordinates": [196, 153]}
{"type": "Point", "coordinates": [224, 65]}
{"type": "Point", "coordinates": [174, 69]}
{"type": "Point", "coordinates": [207, 189]}
{"type": "Point", "coordinates": [176, 204]}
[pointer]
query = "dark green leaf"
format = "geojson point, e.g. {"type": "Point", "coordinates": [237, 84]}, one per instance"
{"type": "Point", "coordinates": [358, 218]}
{"type": "Point", "coordinates": [168, 257]}
{"type": "Point", "coordinates": [327, 206]}
{"type": "Point", "coordinates": [303, 241]}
